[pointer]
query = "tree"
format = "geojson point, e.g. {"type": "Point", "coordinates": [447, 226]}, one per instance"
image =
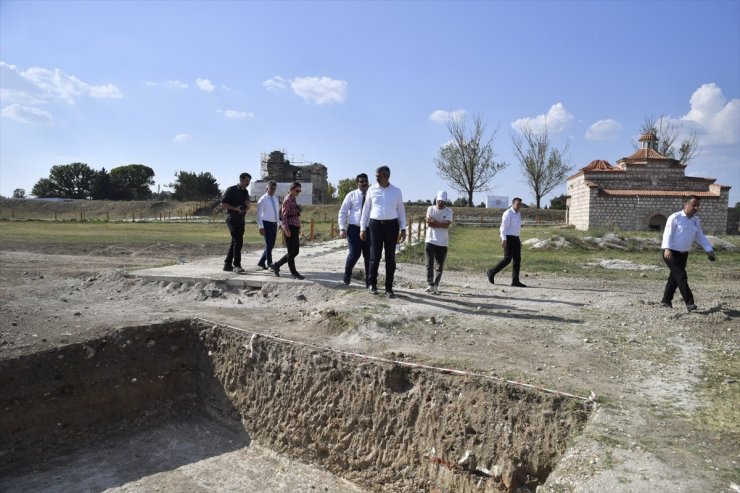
{"type": "Point", "coordinates": [543, 165]}
{"type": "Point", "coordinates": [131, 182]}
{"type": "Point", "coordinates": [19, 193]}
{"type": "Point", "coordinates": [466, 162]}
{"type": "Point", "coordinates": [668, 132]}
{"type": "Point", "coordinates": [72, 181]}
{"type": "Point", "coordinates": [558, 202]}
{"type": "Point", "coordinates": [102, 188]}
{"type": "Point", "coordinates": [331, 193]}
{"type": "Point", "coordinates": [191, 186]}
{"type": "Point", "coordinates": [345, 186]}
{"type": "Point", "coordinates": [460, 202]}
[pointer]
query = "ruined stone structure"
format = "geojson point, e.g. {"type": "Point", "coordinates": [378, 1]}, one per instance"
{"type": "Point", "coordinates": [275, 167]}
{"type": "Point", "coordinates": [640, 192]}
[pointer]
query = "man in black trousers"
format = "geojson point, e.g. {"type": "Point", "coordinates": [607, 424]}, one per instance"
{"type": "Point", "coordinates": [236, 203]}
{"type": "Point", "coordinates": [511, 225]}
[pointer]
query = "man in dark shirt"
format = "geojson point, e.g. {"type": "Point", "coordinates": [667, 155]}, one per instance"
{"type": "Point", "coordinates": [236, 203]}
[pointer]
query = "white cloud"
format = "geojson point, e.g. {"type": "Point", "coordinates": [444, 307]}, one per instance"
{"type": "Point", "coordinates": [442, 116]}
{"type": "Point", "coordinates": [205, 85]}
{"type": "Point", "coordinates": [604, 129]}
{"type": "Point", "coordinates": [55, 84]}
{"type": "Point", "coordinates": [175, 84]}
{"type": "Point", "coordinates": [27, 114]}
{"type": "Point", "coordinates": [718, 119]}
{"type": "Point", "coordinates": [236, 115]}
{"type": "Point", "coordinates": [320, 90]}
{"type": "Point", "coordinates": [277, 83]}
{"type": "Point", "coordinates": [556, 120]}
{"type": "Point", "coordinates": [180, 138]}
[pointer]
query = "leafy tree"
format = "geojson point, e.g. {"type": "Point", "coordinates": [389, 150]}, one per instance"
{"type": "Point", "coordinates": [482, 205]}
{"type": "Point", "coordinates": [345, 186]}
{"type": "Point", "coordinates": [191, 186]}
{"type": "Point", "coordinates": [102, 187]}
{"type": "Point", "coordinates": [331, 193]}
{"type": "Point", "coordinates": [19, 193]}
{"type": "Point", "coordinates": [558, 202]}
{"type": "Point", "coordinates": [131, 182]}
{"type": "Point", "coordinates": [460, 202]}
{"type": "Point", "coordinates": [72, 181]}
{"type": "Point", "coordinates": [466, 162]}
{"type": "Point", "coordinates": [543, 165]}
{"type": "Point", "coordinates": [668, 131]}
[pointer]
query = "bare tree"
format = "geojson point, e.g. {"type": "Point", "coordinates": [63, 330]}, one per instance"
{"type": "Point", "coordinates": [668, 131]}
{"type": "Point", "coordinates": [466, 162]}
{"type": "Point", "coordinates": [543, 165]}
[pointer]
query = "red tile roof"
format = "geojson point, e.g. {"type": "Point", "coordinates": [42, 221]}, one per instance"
{"type": "Point", "coordinates": [596, 165]}
{"type": "Point", "coordinates": [643, 154]}
{"type": "Point", "coordinates": [648, 136]}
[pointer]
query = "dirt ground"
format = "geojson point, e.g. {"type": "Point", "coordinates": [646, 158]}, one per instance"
{"type": "Point", "coordinates": [665, 380]}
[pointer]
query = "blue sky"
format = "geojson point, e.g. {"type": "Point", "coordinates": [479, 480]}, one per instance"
{"type": "Point", "coordinates": [210, 86]}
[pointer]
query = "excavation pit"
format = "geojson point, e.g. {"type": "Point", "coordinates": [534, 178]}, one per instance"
{"type": "Point", "coordinates": [200, 406]}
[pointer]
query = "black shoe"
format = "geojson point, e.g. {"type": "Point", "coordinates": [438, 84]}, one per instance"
{"type": "Point", "coordinates": [276, 270]}
{"type": "Point", "coordinates": [390, 294]}
{"type": "Point", "coordinates": [373, 290]}
{"type": "Point", "coordinates": [262, 266]}
{"type": "Point", "coordinates": [297, 276]}
{"type": "Point", "coordinates": [517, 284]}
{"type": "Point", "coordinates": [228, 268]}
{"type": "Point", "coordinates": [691, 307]}
{"type": "Point", "coordinates": [346, 281]}
{"type": "Point", "coordinates": [489, 274]}
{"type": "Point", "coordinates": [270, 268]}
{"type": "Point", "coordinates": [666, 304]}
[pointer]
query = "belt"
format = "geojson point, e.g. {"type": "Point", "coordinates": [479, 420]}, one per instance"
{"type": "Point", "coordinates": [385, 221]}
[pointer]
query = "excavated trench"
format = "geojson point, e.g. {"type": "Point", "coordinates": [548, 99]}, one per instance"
{"type": "Point", "coordinates": [383, 425]}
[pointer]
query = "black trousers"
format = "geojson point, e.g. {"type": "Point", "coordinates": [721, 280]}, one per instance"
{"type": "Point", "coordinates": [383, 237]}
{"type": "Point", "coordinates": [236, 229]}
{"type": "Point", "coordinates": [293, 245]}
{"type": "Point", "coordinates": [435, 253]}
{"type": "Point", "coordinates": [357, 248]}
{"type": "Point", "coordinates": [513, 251]}
{"type": "Point", "coordinates": [677, 278]}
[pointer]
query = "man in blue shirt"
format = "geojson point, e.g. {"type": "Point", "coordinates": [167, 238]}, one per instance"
{"type": "Point", "coordinates": [681, 229]}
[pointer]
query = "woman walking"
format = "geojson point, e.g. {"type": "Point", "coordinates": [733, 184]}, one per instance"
{"type": "Point", "coordinates": [290, 215]}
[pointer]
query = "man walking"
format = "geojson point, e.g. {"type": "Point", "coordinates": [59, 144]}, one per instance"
{"type": "Point", "coordinates": [511, 225]}
{"type": "Point", "coordinates": [267, 222]}
{"type": "Point", "coordinates": [439, 218]}
{"type": "Point", "coordinates": [236, 203]}
{"type": "Point", "coordinates": [383, 216]}
{"type": "Point", "coordinates": [681, 229]}
{"type": "Point", "coordinates": [350, 214]}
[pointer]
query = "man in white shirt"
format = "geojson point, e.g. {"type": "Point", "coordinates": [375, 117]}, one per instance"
{"type": "Point", "coordinates": [268, 220]}
{"type": "Point", "coordinates": [383, 216]}
{"type": "Point", "coordinates": [439, 218]}
{"type": "Point", "coordinates": [681, 229]}
{"type": "Point", "coordinates": [511, 225]}
{"type": "Point", "coordinates": [350, 214]}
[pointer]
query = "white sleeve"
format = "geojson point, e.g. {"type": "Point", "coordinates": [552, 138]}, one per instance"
{"type": "Point", "coordinates": [504, 224]}
{"type": "Point", "coordinates": [701, 239]}
{"type": "Point", "coordinates": [260, 206]}
{"type": "Point", "coordinates": [401, 211]}
{"type": "Point", "coordinates": [667, 233]}
{"type": "Point", "coordinates": [365, 216]}
{"type": "Point", "coordinates": [344, 212]}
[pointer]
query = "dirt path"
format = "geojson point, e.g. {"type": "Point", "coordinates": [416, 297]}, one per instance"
{"type": "Point", "coordinates": [666, 380]}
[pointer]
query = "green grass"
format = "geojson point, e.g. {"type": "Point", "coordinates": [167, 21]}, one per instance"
{"type": "Point", "coordinates": [478, 248]}
{"type": "Point", "coordinates": [120, 233]}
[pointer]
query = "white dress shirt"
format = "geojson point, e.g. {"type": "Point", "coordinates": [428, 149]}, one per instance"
{"type": "Point", "coordinates": [438, 236]}
{"type": "Point", "coordinates": [383, 204]}
{"type": "Point", "coordinates": [351, 209]}
{"type": "Point", "coordinates": [511, 223]}
{"type": "Point", "coordinates": [681, 231]}
{"type": "Point", "coordinates": [267, 212]}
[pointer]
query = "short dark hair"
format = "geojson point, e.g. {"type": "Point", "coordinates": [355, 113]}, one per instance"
{"type": "Point", "coordinates": [245, 175]}
{"type": "Point", "coordinates": [516, 199]}
{"type": "Point", "coordinates": [295, 184]}
{"type": "Point", "coordinates": [361, 176]}
{"type": "Point", "coordinates": [272, 183]}
{"type": "Point", "coordinates": [384, 170]}
{"type": "Point", "coordinates": [689, 198]}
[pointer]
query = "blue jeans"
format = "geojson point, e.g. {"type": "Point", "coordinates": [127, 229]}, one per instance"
{"type": "Point", "coordinates": [270, 236]}
{"type": "Point", "coordinates": [357, 247]}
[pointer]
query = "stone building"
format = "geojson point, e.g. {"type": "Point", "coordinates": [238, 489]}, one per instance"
{"type": "Point", "coordinates": [640, 192]}
{"type": "Point", "coordinates": [274, 166]}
